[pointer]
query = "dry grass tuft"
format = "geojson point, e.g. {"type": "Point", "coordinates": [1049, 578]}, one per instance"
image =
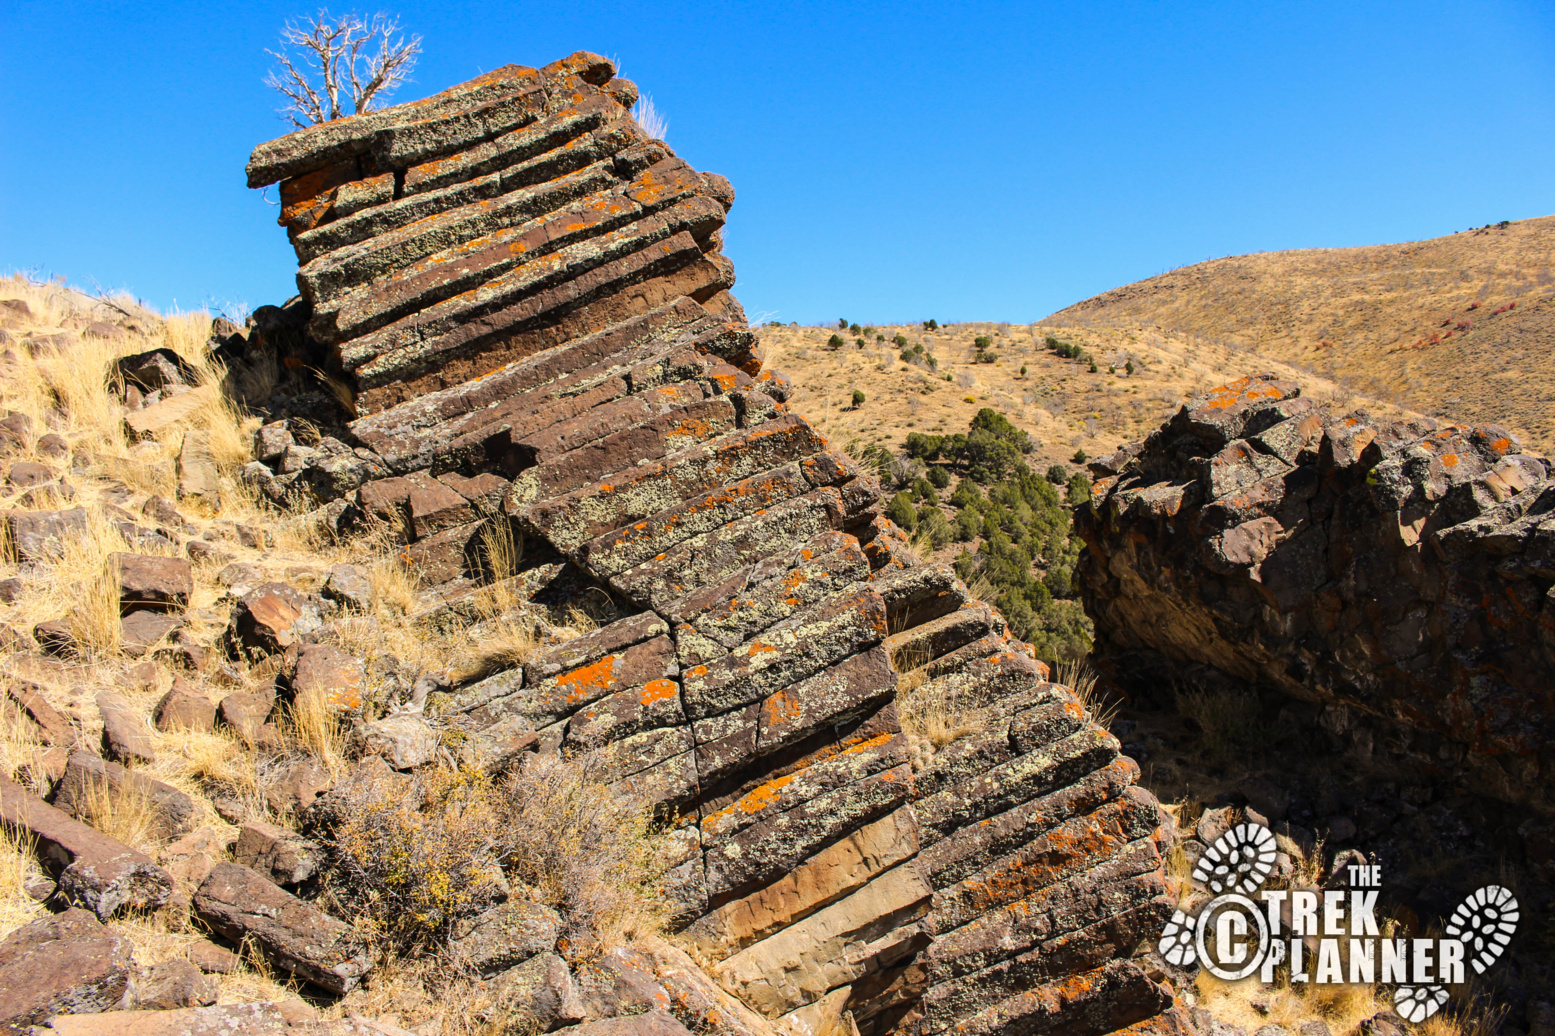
{"type": "Point", "coordinates": [18, 866]}
{"type": "Point", "coordinates": [315, 728]}
{"type": "Point", "coordinates": [1081, 678]}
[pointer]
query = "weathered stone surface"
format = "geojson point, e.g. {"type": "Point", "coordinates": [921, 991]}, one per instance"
{"type": "Point", "coordinates": [68, 964]}
{"type": "Point", "coordinates": [1343, 559]}
{"type": "Point", "coordinates": [126, 730]}
{"type": "Point", "coordinates": [184, 709]}
{"type": "Point", "coordinates": [40, 535]}
{"type": "Point", "coordinates": [94, 870]}
{"type": "Point", "coordinates": [88, 777]}
{"type": "Point", "coordinates": [158, 420]}
{"type": "Point", "coordinates": [543, 989]}
{"type": "Point", "coordinates": [330, 674]}
{"type": "Point", "coordinates": [505, 936]}
{"type": "Point", "coordinates": [173, 984]}
{"type": "Point", "coordinates": [151, 583]}
{"type": "Point", "coordinates": [404, 740]}
{"type": "Point", "coordinates": [198, 479]}
{"type": "Point", "coordinates": [142, 631]}
{"type": "Point", "coordinates": [284, 856]}
{"type": "Point", "coordinates": [528, 300]}
{"type": "Point", "coordinates": [247, 711]}
{"type": "Point", "coordinates": [270, 618]}
{"type": "Point", "coordinates": [262, 1019]}
{"type": "Point", "coordinates": [241, 904]}
{"type": "Point", "coordinates": [49, 725]}
{"type": "Point", "coordinates": [352, 586]}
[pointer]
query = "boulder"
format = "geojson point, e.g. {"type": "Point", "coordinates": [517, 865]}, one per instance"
{"type": "Point", "coordinates": [94, 870]}
{"type": "Point", "coordinates": [158, 420]}
{"type": "Point", "coordinates": [541, 988]}
{"type": "Point", "coordinates": [351, 586]}
{"type": "Point", "coordinates": [404, 740]}
{"type": "Point", "coordinates": [40, 535]}
{"type": "Point", "coordinates": [46, 722]}
{"type": "Point", "coordinates": [263, 1019]}
{"type": "Point", "coordinates": [213, 959]}
{"type": "Point", "coordinates": [271, 441]}
{"type": "Point", "coordinates": [142, 631]}
{"type": "Point", "coordinates": [150, 583]}
{"type": "Point", "coordinates": [88, 778]}
{"type": "Point", "coordinates": [173, 984]}
{"type": "Point", "coordinates": [240, 904]}
{"type": "Point", "coordinates": [247, 712]}
{"type": "Point", "coordinates": [198, 477]}
{"type": "Point", "coordinates": [330, 674]}
{"type": "Point", "coordinates": [155, 369]}
{"type": "Point", "coordinates": [26, 475]}
{"type": "Point", "coordinates": [126, 730]}
{"type": "Point", "coordinates": [303, 781]}
{"type": "Point", "coordinates": [182, 708]}
{"type": "Point", "coordinates": [285, 857]}
{"type": "Point", "coordinates": [504, 936]}
{"type": "Point", "coordinates": [272, 617]}
{"type": "Point", "coordinates": [67, 964]}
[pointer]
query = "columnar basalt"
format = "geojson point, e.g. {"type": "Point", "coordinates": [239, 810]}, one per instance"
{"type": "Point", "coordinates": [1400, 571]}
{"type": "Point", "coordinates": [525, 296]}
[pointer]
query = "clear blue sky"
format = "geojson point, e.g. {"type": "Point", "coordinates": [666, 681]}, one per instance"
{"type": "Point", "coordinates": [892, 161]}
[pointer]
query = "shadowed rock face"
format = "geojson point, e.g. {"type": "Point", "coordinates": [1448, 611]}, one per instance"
{"type": "Point", "coordinates": [526, 295]}
{"type": "Point", "coordinates": [1391, 573]}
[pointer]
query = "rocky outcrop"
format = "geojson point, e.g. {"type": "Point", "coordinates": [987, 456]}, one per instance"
{"type": "Point", "coordinates": [1397, 576]}
{"type": "Point", "coordinates": [525, 298]}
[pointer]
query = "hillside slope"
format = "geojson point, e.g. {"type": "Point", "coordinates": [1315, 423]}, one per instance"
{"type": "Point", "coordinates": [1458, 326]}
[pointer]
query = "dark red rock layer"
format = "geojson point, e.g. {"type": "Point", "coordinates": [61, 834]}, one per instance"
{"type": "Point", "coordinates": [527, 295]}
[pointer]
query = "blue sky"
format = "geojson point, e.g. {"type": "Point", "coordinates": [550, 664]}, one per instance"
{"type": "Point", "coordinates": [892, 161]}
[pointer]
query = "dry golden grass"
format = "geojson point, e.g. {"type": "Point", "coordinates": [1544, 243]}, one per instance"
{"type": "Point", "coordinates": [1058, 402]}
{"type": "Point", "coordinates": [18, 866]}
{"type": "Point", "coordinates": [1383, 319]}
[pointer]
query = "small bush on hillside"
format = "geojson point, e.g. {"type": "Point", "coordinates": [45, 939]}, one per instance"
{"type": "Point", "coordinates": [900, 341]}
{"type": "Point", "coordinates": [1057, 474]}
{"type": "Point", "coordinates": [1078, 491]}
{"type": "Point", "coordinates": [902, 512]}
{"type": "Point", "coordinates": [858, 398]}
{"type": "Point", "coordinates": [906, 356]}
{"type": "Point", "coordinates": [1129, 367]}
{"type": "Point", "coordinates": [930, 325]}
{"type": "Point", "coordinates": [939, 478]}
{"type": "Point", "coordinates": [835, 342]}
{"type": "Point", "coordinates": [854, 328]}
{"type": "Point", "coordinates": [1079, 457]}
{"type": "Point", "coordinates": [982, 342]}
{"type": "Point", "coordinates": [987, 357]}
{"type": "Point", "coordinates": [842, 324]}
{"type": "Point", "coordinates": [859, 342]}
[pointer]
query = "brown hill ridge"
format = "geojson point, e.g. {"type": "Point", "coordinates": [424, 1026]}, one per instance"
{"type": "Point", "coordinates": [1458, 326]}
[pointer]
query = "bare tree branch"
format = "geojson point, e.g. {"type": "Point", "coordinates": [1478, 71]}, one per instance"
{"type": "Point", "coordinates": [328, 67]}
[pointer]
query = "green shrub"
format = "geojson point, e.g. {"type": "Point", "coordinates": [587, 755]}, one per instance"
{"type": "Point", "coordinates": [902, 512]}
{"type": "Point", "coordinates": [1079, 457]}
{"type": "Point", "coordinates": [938, 477]}
{"type": "Point", "coordinates": [1093, 366]}
{"type": "Point", "coordinates": [842, 325]}
{"type": "Point", "coordinates": [900, 341]}
{"type": "Point", "coordinates": [930, 325]}
{"type": "Point", "coordinates": [859, 342]}
{"type": "Point", "coordinates": [918, 348]}
{"type": "Point", "coordinates": [982, 342]}
{"type": "Point", "coordinates": [1057, 474]}
{"type": "Point", "coordinates": [906, 356]}
{"type": "Point", "coordinates": [858, 398]}
{"type": "Point", "coordinates": [1023, 370]}
{"type": "Point", "coordinates": [987, 357]}
{"type": "Point", "coordinates": [854, 328]}
{"type": "Point", "coordinates": [835, 342]}
{"type": "Point", "coordinates": [1078, 491]}
{"type": "Point", "coordinates": [868, 331]}
{"type": "Point", "coordinates": [923, 489]}
{"type": "Point", "coordinates": [934, 526]}
{"type": "Point", "coordinates": [1129, 366]}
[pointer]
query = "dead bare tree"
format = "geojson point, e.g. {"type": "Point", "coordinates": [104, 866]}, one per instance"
{"type": "Point", "coordinates": [334, 67]}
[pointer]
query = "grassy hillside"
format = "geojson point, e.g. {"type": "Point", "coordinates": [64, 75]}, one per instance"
{"type": "Point", "coordinates": [1459, 327]}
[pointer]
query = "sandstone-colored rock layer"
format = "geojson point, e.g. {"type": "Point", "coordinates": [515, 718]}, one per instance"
{"type": "Point", "coordinates": [527, 297]}
{"type": "Point", "coordinates": [1393, 574]}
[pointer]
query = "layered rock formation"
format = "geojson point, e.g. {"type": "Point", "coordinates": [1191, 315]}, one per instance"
{"type": "Point", "coordinates": [1398, 575]}
{"type": "Point", "coordinates": [524, 297]}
